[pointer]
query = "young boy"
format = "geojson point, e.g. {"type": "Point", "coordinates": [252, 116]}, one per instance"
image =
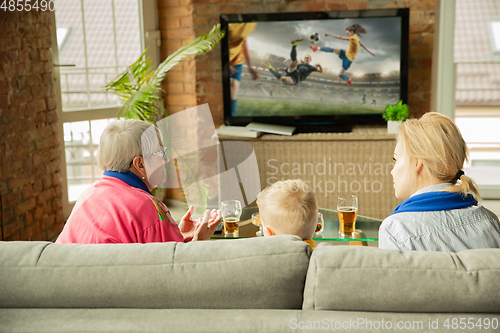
{"type": "Point", "coordinates": [289, 208]}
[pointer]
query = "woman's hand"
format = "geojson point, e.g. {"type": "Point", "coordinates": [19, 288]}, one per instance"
{"type": "Point", "coordinates": [202, 228]}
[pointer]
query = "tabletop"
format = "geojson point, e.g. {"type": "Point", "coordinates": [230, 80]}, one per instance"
{"type": "Point", "coordinates": [366, 227]}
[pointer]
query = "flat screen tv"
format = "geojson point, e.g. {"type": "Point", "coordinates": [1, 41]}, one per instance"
{"type": "Point", "coordinates": [314, 70]}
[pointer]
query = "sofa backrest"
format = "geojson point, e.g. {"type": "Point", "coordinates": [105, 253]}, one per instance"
{"type": "Point", "coordinates": [258, 273]}
{"type": "Point", "coordinates": [356, 278]}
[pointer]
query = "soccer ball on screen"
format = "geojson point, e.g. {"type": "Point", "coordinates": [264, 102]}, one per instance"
{"type": "Point", "coordinates": [314, 37]}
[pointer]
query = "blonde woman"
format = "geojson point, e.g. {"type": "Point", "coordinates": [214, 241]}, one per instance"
{"type": "Point", "coordinates": [289, 207]}
{"type": "Point", "coordinates": [440, 211]}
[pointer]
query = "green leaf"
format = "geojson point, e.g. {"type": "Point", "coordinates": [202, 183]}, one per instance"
{"type": "Point", "coordinates": [200, 45]}
{"type": "Point", "coordinates": [397, 112]}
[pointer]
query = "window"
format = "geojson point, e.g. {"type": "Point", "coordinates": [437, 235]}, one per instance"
{"type": "Point", "coordinates": [96, 40]}
{"type": "Point", "coordinates": [477, 91]}
{"type": "Point", "coordinates": [494, 34]}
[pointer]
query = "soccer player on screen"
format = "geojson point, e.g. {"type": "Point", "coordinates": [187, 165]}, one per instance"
{"type": "Point", "coordinates": [348, 56]}
{"type": "Point", "coordinates": [296, 72]}
{"type": "Point", "coordinates": [238, 51]}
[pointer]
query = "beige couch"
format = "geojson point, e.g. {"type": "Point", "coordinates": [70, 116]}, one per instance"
{"type": "Point", "coordinates": [274, 284]}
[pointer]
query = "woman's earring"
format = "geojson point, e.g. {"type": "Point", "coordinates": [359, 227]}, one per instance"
{"type": "Point", "coordinates": [143, 177]}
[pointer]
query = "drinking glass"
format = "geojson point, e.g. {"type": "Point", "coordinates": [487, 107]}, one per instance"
{"type": "Point", "coordinates": [256, 221]}
{"type": "Point", "coordinates": [231, 212]}
{"type": "Point", "coordinates": [321, 224]}
{"type": "Point", "coordinates": [347, 208]}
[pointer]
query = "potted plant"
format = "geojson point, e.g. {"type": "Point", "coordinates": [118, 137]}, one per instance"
{"type": "Point", "coordinates": [395, 115]}
{"type": "Point", "coordinates": [139, 88]}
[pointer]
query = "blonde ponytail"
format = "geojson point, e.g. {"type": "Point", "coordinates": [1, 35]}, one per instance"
{"type": "Point", "coordinates": [466, 186]}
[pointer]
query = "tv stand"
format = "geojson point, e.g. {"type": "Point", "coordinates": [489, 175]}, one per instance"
{"type": "Point", "coordinates": [357, 162]}
{"type": "Point", "coordinates": [323, 129]}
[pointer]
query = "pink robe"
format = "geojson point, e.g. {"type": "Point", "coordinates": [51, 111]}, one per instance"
{"type": "Point", "coordinates": [111, 211]}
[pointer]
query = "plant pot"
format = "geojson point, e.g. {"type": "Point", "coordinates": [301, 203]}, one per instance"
{"type": "Point", "coordinates": [393, 126]}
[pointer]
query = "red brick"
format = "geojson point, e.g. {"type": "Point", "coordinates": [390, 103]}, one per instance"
{"type": "Point", "coordinates": [420, 28]}
{"type": "Point", "coordinates": [179, 11]}
{"type": "Point", "coordinates": [4, 85]}
{"type": "Point", "coordinates": [186, 21]}
{"type": "Point", "coordinates": [315, 6]}
{"type": "Point", "coordinates": [39, 237]}
{"type": "Point", "coordinates": [37, 186]}
{"type": "Point", "coordinates": [5, 171]}
{"type": "Point", "coordinates": [11, 199]}
{"type": "Point", "coordinates": [190, 88]}
{"type": "Point", "coordinates": [180, 33]}
{"type": "Point", "coordinates": [45, 55]}
{"type": "Point", "coordinates": [10, 229]}
{"type": "Point", "coordinates": [57, 203]}
{"type": "Point", "coordinates": [169, 23]}
{"type": "Point", "coordinates": [34, 55]}
{"type": "Point", "coordinates": [40, 118]}
{"type": "Point", "coordinates": [167, 3]}
{"type": "Point", "coordinates": [58, 190]}
{"type": "Point", "coordinates": [54, 166]}
{"type": "Point", "coordinates": [213, 88]}
{"type": "Point", "coordinates": [6, 215]}
{"type": "Point", "coordinates": [26, 206]}
{"type": "Point", "coordinates": [27, 191]}
{"type": "Point", "coordinates": [4, 100]}
{"type": "Point", "coordinates": [55, 230]}
{"type": "Point", "coordinates": [28, 217]}
{"type": "Point", "coordinates": [425, 62]}
{"type": "Point", "coordinates": [428, 5]}
{"type": "Point", "coordinates": [174, 88]}
{"type": "Point", "coordinates": [47, 208]}
{"type": "Point", "coordinates": [199, 20]}
{"type": "Point", "coordinates": [429, 39]}
{"type": "Point", "coordinates": [180, 77]}
{"type": "Point", "coordinates": [40, 105]}
{"type": "Point", "coordinates": [52, 116]}
{"type": "Point", "coordinates": [181, 99]}
{"type": "Point", "coordinates": [38, 214]}
{"type": "Point", "coordinates": [16, 166]}
{"type": "Point", "coordinates": [17, 183]}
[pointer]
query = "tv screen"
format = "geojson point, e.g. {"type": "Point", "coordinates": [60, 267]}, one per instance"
{"type": "Point", "coordinates": [314, 67]}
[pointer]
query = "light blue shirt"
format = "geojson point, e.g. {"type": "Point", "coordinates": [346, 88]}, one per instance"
{"type": "Point", "coordinates": [453, 230]}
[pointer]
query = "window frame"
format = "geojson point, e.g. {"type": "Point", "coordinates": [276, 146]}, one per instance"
{"type": "Point", "coordinates": [150, 39]}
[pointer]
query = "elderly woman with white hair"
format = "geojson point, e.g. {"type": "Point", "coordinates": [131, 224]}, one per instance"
{"type": "Point", "coordinates": [440, 211]}
{"type": "Point", "coordinates": [120, 208]}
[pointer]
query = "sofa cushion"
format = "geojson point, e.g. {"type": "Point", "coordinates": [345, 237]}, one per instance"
{"type": "Point", "coordinates": [235, 320]}
{"type": "Point", "coordinates": [370, 279]}
{"type": "Point", "coordinates": [259, 273]}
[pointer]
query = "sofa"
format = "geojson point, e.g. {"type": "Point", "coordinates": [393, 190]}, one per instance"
{"type": "Point", "coordinates": [272, 284]}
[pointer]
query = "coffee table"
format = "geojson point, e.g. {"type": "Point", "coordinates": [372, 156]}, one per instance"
{"type": "Point", "coordinates": [366, 227]}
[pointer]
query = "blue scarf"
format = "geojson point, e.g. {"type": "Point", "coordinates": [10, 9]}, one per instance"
{"type": "Point", "coordinates": [435, 201]}
{"type": "Point", "coordinates": [129, 178]}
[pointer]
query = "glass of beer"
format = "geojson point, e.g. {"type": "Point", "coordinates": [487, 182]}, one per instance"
{"type": "Point", "coordinates": [256, 221]}
{"type": "Point", "coordinates": [231, 212]}
{"type": "Point", "coordinates": [321, 224]}
{"type": "Point", "coordinates": [347, 207]}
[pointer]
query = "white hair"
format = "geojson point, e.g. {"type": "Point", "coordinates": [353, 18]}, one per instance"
{"type": "Point", "coordinates": [123, 140]}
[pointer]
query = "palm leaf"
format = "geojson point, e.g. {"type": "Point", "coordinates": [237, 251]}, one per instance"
{"type": "Point", "coordinates": [141, 104]}
{"type": "Point", "coordinates": [201, 45]}
{"type": "Point", "coordinates": [132, 79]}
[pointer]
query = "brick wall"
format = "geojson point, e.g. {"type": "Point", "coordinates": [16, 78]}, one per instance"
{"type": "Point", "coordinates": [30, 162]}
{"type": "Point", "coordinates": [201, 82]}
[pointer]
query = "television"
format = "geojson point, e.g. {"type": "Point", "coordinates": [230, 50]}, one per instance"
{"type": "Point", "coordinates": [283, 68]}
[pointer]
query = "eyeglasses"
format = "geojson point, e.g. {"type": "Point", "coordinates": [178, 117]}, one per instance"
{"type": "Point", "coordinates": [161, 153]}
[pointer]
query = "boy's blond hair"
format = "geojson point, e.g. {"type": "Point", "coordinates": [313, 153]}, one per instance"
{"type": "Point", "coordinates": [289, 207]}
